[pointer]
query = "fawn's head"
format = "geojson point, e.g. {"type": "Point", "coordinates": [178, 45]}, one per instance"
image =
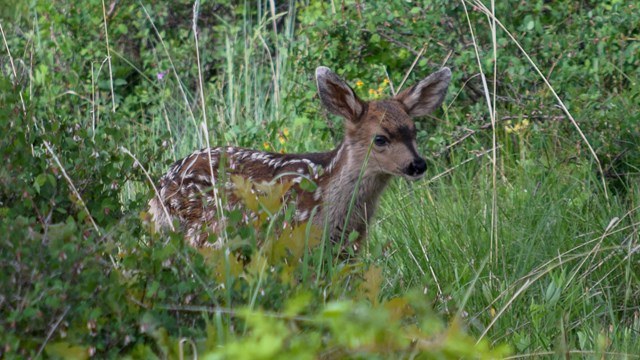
{"type": "Point", "coordinates": [385, 125]}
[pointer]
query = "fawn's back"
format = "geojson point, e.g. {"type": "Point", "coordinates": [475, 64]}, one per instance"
{"type": "Point", "coordinates": [379, 143]}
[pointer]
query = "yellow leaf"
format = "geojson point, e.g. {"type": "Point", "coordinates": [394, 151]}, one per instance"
{"type": "Point", "coordinates": [293, 240]}
{"type": "Point", "coordinates": [398, 308]}
{"type": "Point", "coordinates": [219, 261]}
{"type": "Point", "coordinates": [287, 276]}
{"type": "Point", "coordinates": [315, 237]}
{"type": "Point", "coordinates": [281, 245]}
{"type": "Point", "coordinates": [372, 283]}
{"type": "Point", "coordinates": [243, 189]}
{"type": "Point", "coordinates": [346, 272]}
{"type": "Point", "coordinates": [271, 195]}
{"type": "Point", "coordinates": [257, 265]}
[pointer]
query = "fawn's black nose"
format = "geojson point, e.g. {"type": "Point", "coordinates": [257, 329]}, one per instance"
{"type": "Point", "coordinates": [417, 167]}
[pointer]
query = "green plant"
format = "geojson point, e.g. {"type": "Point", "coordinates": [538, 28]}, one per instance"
{"type": "Point", "coordinates": [555, 275]}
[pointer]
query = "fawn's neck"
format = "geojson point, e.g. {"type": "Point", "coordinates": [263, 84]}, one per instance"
{"type": "Point", "coordinates": [346, 174]}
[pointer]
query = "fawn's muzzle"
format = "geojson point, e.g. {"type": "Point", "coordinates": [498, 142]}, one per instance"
{"type": "Point", "coordinates": [417, 167]}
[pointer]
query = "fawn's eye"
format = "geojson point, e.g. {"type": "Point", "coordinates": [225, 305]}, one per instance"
{"type": "Point", "coordinates": [380, 140]}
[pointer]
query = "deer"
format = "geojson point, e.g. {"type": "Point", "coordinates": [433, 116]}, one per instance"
{"type": "Point", "coordinates": [379, 144]}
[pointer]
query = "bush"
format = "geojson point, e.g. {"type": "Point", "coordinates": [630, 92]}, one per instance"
{"type": "Point", "coordinates": [83, 120]}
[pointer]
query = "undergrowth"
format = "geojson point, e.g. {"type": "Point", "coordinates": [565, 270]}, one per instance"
{"type": "Point", "coordinates": [532, 253]}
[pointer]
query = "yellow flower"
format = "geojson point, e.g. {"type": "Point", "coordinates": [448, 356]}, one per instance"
{"type": "Point", "coordinates": [519, 128]}
{"type": "Point", "coordinates": [386, 81]}
{"type": "Point", "coordinates": [359, 84]}
{"type": "Point", "coordinates": [266, 145]}
{"type": "Point", "coordinates": [372, 92]}
{"type": "Point", "coordinates": [285, 131]}
{"type": "Point", "coordinates": [281, 139]}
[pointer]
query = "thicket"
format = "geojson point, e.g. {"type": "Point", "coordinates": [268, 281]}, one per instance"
{"type": "Point", "coordinates": [95, 95]}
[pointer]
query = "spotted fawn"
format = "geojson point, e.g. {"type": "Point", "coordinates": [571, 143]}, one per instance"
{"type": "Point", "coordinates": [379, 143]}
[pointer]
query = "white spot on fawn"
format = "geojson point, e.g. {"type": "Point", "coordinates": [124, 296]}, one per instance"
{"type": "Point", "coordinates": [317, 194]}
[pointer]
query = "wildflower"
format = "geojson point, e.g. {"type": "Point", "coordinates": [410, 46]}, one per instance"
{"type": "Point", "coordinates": [518, 128]}
{"type": "Point", "coordinates": [372, 92]}
{"type": "Point", "coordinates": [285, 131]}
{"type": "Point", "coordinates": [281, 139]}
{"type": "Point", "coordinates": [161, 75]}
{"type": "Point", "coordinates": [266, 145]}
{"type": "Point", "coordinates": [386, 81]}
{"type": "Point", "coordinates": [359, 84]}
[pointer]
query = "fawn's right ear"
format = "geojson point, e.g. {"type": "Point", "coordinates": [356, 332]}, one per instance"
{"type": "Point", "coordinates": [337, 96]}
{"type": "Point", "coordinates": [427, 95]}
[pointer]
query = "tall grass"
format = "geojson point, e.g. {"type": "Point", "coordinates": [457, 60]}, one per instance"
{"type": "Point", "coordinates": [565, 273]}
{"type": "Point", "coordinates": [561, 276]}
{"type": "Point", "coordinates": [514, 233]}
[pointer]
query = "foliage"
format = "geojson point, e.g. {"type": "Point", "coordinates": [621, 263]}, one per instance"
{"type": "Point", "coordinates": [85, 118]}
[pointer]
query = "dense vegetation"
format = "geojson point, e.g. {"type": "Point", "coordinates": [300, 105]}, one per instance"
{"type": "Point", "coordinates": [533, 252]}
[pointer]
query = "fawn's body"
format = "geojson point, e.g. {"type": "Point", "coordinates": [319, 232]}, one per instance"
{"type": "Point", "coordinates": [379, 143]}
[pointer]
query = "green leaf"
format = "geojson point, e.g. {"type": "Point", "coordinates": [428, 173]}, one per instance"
{"type": "Point", "coordinates": [530, 25]}
{"type": "Point", "coordinates": [39, 181]}
{"type": "Point", "coordinates": [308, 185]}
{"type": "Point", "coordinates": [65, 350]}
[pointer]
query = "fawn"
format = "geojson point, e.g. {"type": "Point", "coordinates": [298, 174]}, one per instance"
{"type": "Point", "coordinates": [379, 143]}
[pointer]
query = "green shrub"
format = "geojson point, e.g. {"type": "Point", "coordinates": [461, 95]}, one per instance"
{"type": "Point", "coordinates": [82, 274]}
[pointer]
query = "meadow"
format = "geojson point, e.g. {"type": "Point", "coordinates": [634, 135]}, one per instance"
{"type": "Point", "coordinates": [520, 242]}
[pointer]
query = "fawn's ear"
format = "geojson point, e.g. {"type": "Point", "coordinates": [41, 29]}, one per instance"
{"type": "Point", "coordinates": [427, 95]}
{"type": "Point", "coordinates": [337, 96]}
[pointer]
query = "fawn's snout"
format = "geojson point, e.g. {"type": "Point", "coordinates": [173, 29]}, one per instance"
{"type": "Point", "coordinates": [416, 168]}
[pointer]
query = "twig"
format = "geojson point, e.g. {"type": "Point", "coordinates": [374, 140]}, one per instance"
{"type": "Point", "coordinates": [397, 43]}
{"type": "Point", "coordinates": [13, 69]}
{"type": "Point", "coordinates": [181, 348]}
{"type": "Point", "coordinates": [464, 85]}
{"type": "Point", "coordinates": [52, 330]}
{"type": "Point", "coordinates": [72, 186]}
{"type": "Point", "coordinates": [494, 157]}
{"type": "Point", "coordinates": [204, 124]}
{"type": "Point", "coordinates": [106, 36]}
{"type": "Point", "coordinates": [155, 189]}
{"type": "Point", "coordinates": [457, 141]}
{"type": "Point", "coordinates": [479, 155]}
{"type": "Point", "coordinates": [415, 61]}
{"type": "Point", "coordinates": [112, 8]}
{"type": "Point", "coordinates": [276, 74]}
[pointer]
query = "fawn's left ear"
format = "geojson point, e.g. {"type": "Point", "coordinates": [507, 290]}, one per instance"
{"type": "Point", "coordinates": [337, 96]}
{"type": "Point", "coordinates": [427, 95]}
